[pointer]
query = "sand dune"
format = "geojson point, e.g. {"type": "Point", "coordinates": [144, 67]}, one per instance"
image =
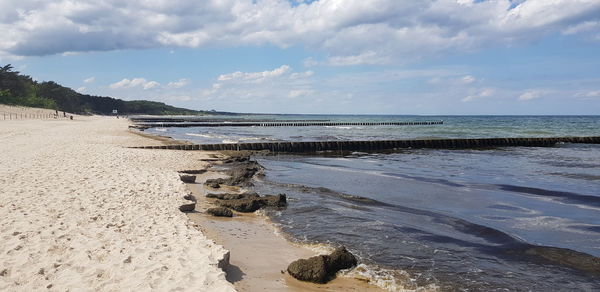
{"type": "Point", "coordinates": [79, 211]}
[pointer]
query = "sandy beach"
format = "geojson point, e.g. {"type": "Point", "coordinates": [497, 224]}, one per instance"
{"type": "Point", "coordinates": [81, 212]}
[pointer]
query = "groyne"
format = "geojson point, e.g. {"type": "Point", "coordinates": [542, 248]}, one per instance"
{"type": "Point", "coordinates": [383, 144]}
{"type": "Point", "coordinates": [282, 124]}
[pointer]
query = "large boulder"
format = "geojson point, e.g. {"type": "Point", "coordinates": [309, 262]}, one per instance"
{"type": "Point", "coordinates": [220, 212]}
{"type": "Point", "coordinates": [279, 200]}
{"type": "Point", "coordinates": [321, 269]}
{"type": "Point", "coordinates": [341, 259]}
{"type": "Point", "coordinates": [313, 269]}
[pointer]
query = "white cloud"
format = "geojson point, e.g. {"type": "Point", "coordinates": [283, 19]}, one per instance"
{"type": "Point", "coordinates": [135, 82]}
{"type": "Point", "coordinates": [588, 94]}
{"type": "Point", "coordinates": [369, 58]}
{"type": "Point", "coordinates": [300, 92]}
{"type": "Point", "coordinates": [310, 62]}
{"type": "Point", "coordinates": [467, 79]}
{"type": "Point", "coordinates": [486, 92]}
{"type": "Point", "coordinates": [80, 89]}
{"type": "Point", "coordinates": [531, 94]}
{"type": "Point", "coordinates": [150, 85]}
{"type": "Point", "coordinates": [254, 76]}
{"type": "Point", "coordinates": [305, 74]}
{"type": "Point", "coordinates": [350, 32]}
{"type": "Point", "coordinates": [89, 80]}
{"type": "Point", "coordinates": [179, 83]}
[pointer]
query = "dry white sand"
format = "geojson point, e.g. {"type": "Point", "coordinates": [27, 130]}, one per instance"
{"type": "Point", "coordinates": [80, 212]}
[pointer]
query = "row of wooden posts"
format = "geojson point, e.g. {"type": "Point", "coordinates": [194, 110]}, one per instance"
{"type": "Point", "coordinates": [288, 124]}
{"type": "Point", "coordinates": [383, 144]}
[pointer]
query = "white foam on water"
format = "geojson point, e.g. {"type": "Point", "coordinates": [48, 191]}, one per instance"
{"type": "Point", "coordinates": [387, 279]}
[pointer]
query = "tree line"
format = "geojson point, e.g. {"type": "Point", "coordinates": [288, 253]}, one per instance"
{"type": "Point", "coordinates": [22, 90]}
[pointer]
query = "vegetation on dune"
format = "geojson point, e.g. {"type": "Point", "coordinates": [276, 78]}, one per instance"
{"type": "Point", "coordinates": [22, 90]}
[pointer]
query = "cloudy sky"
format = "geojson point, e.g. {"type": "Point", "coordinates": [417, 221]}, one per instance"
{"type": "Point", "coordinates": [326, 56]}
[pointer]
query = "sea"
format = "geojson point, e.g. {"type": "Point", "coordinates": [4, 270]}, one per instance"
{"type": "Point", "coordinates": [494, 219]}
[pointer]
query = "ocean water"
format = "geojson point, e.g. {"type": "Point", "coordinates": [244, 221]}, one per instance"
{"type": "Point", "coordinates": [502, 219]}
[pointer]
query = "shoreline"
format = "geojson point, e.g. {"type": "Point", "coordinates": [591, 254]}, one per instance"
{"type": "Point", "coordinates": [267, 275]}
{"type": "Point", "coordinates": [260, 253]}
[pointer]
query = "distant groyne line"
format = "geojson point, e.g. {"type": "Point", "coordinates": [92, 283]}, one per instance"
{"type": "Point", "coordinates": [283, 124]}
{"type": "Point", "coordinates": [207, 120]}
{"type": "Point", "coordinates": [383, 144]}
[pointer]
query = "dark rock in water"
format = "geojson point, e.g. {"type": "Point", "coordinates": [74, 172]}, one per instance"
{"type": "Point", "coordinates": [187, 207]}
{"type": "Point", "coordinates": [245, 205]}
{"type": "Point", "coordinates": [279, 200]}
{"type": "Point", "coordinates": [220, 212]}
{"type": "Point", "coordinates": [313, 269]}
{"type": "Point", "coordinates": [321, 269]}
{"type": "Point", "coordinates": [190, 197]}
{"type": "Point", "coordinates": [341, 259]}
{"type": "Point", "coordinates": [190, 179]}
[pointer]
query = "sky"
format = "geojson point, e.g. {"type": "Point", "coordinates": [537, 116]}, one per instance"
{"type": "Point", "coordinates": [426, 57]}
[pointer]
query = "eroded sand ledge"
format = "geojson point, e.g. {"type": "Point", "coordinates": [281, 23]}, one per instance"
{"type": "Point", "coordinates": [82, 212]}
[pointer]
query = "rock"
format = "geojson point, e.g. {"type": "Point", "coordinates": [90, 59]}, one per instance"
{"type": "Point", "coordinates": [240, 174]}
{"type": "Point", "coordinates": [213, 183]}
{"type": "Point", "coordinates": [279, 200]}
{"type": "Point", "coordinates": [245, 205]}
{"type": "Point", "coordinates": [190, 197]}
{"type": "Point", "coordinates": [193, 171]}
{"type": "Point", "coordinates": [220, 212]}
{"type": "Point", "coordinates": [190, 179]}
{"type": "Point", "coordinates": [313, 269]}
{"type": "Point", "coordinates": [341, 259]}
{"type": "Point", "coordinates": [187, 207]}
{"type": "Point", "coordinates": [321, 269]}
{"type": "Point", "coordinates": [225, 196]}
{"type": "Point", "coordinates": [248, 202]}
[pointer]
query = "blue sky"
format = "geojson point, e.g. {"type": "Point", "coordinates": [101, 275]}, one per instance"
{"type": "Point", "coordinates": [326, 56]}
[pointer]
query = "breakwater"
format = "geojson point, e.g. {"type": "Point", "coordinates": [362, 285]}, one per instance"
{"type": "Point", "coordinates": [212, 120]}
{"type": "Point", "coordinates": [383, 144]}
{"type": "Point", "coordinates": [282, 124]}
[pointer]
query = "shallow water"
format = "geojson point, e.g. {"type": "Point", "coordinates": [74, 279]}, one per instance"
{"type": "Point", "coordinates": [459, 219]}
{"type": "Point", "coordinates": [453, 127]}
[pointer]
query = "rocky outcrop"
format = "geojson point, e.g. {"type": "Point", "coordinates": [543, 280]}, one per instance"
{"type": "Point", "coordinates": [313, 269]}
{"type": "Point", "coordinates": [250, 202]}
{"type": "Point", "coordinates": [241, 171]}
{"type": "Point", "coordinates": [220, 212]}
{"type": "Point", "coordinates": [322, 268]}
{"type": "Point", "coordinates": [225, 196]}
